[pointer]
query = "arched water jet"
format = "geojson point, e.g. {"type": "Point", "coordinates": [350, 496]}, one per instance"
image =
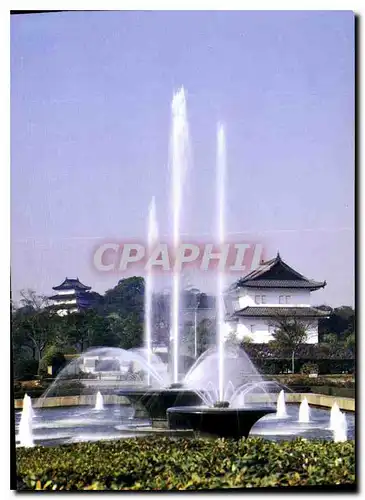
{"type": "Point", "coordinates": [105, 356]}
{"type": "Point", "coordinates": [250, 387]}
{"type": "Point", "coordinates": [238, 368]}
{"type": "Point", "coordinates": [229, 387]}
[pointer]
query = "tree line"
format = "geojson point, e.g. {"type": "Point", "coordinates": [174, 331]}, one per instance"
{"type": "Point", "coordinates": [40, 337]}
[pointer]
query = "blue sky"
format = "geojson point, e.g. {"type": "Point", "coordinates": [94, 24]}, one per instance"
{"type": "Point", "coordinates": [90, 117]}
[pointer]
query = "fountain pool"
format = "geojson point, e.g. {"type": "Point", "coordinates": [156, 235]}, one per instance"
{"type": "Point", "coordinates": [54, 426]}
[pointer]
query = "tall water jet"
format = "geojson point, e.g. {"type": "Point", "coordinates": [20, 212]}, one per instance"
{"type": "Point", "coordinates": [152, 236]}
{"type": "Point", "coordinates": [99, 404]}
{"type": "Point", "coordinates": [281, 406]}
{"type": "Point", "coordinates": [335, 416]}
{"type": "Point", "coordinates": [221, 180]}
{"type": "Point", "coordinates": [179, 151]}
{"type": "Point", "coordinates": [25, 432]}
{"type": "Point", "coordinates": [340, 428]}
{"type": "Point", "coordinates": [304, 412]}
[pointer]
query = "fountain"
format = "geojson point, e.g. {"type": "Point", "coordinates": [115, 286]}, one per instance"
{"type": "Point", "coordinates": [152, 385]}
{"type": "Point", "coordinates": [219, 419]}
{"type": "Point", "coordinates": [152, 239]}
{"type": "Point", "coordinates": [112, 367]}
{"type": "Point", "coordinates": [221, 175]}
{"type": "Point", "coordinates": [25, 432]}
{"type": "Point", "coordinates": [246, 396]}
{"type": "Point", "coordinates": [203, 383]}
{"type": "Point", "coordinates": [179, 152]}
{"type": "Point", "coordinates": [281, 406]}
{"type": "Point", "coordinates": [99, 404]}
{"type": "Point", "coordinates": [335, 416]}
{"type": "Point", "coordinates": [304, 412]}
{"type": "Point", "coordinates": [340, 428]}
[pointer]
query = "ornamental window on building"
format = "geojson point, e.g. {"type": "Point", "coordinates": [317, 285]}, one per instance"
{"type": "Point", "coordinates": [260, 299]}
{"type": "Point", "coordinates": [284, 299]}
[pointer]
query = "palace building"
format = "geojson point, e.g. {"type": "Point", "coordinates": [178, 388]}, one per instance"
{"type": "Point", "coordinates": [72, 296]}
{"type": "Point", "coordinates": [274, 290]}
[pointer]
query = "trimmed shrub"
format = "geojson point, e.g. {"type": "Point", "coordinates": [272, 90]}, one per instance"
{"type": "Point", "coordinates": [25, 369]}
{"type": "Point", "coordinates": [340, 392]}
{"type": "Point", "coordinates": [304, 380]}
{"type": "Point", "coordinates": [309, 368]}
{"type": "Point", "coordinates": [329, 358]}
{"type": "Point", "coordinates": [276, 366]}
{"type": "Point", "coordinates": [53, 357]}
{"type": "Point", "coordinates": [161, 463]}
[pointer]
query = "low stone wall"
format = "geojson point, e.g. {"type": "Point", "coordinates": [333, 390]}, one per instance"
{"type": "Point", "coordinates": [320, 400]}
{"type": "Point", "coordinates": [82, 400]}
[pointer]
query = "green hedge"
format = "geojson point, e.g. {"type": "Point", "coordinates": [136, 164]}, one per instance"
{"type": "Point", "coordinates": [271, 366]}
{"type": "Point", "coordinates": [161, 463]}
{"type": "Point", "coordinates": [344, 381]}
{"type": "Point", "coordinates": [340, 392]}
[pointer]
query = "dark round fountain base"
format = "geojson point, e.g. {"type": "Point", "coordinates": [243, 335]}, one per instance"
{"type": "Point", "coordinates": [176, 385]}
{"type": "Point", "coordinates": [156, 401]}
{"type": "Point", "coordinates": [221, 404]}
{"type": "Point", "coordinates": [220, 422]}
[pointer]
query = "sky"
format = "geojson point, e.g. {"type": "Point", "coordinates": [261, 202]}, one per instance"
{"type": "Point", "coordinates": [90, 125]}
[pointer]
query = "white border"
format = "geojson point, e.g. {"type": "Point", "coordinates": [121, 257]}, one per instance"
{"type": "Point", "coordinates": [356, 6]}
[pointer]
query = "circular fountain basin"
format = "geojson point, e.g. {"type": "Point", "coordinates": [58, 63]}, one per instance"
{"type": "Point", "coordinates": [157, 401]}
{"type": "Point", "coordinates": [221, 422]}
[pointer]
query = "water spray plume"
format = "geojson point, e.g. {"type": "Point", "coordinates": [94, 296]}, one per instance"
{"type": "Point", "coordinates": [152, 237]}
{"type": "Point", "coordinates": [304, 412]}
{"type": "Point", "coordinates": [26, 423]}
{"type": "Point", "coordinates": [221, 180]}
{"type": "Point", "coordinates": [99, 403]}
{"type": "Point", "coordinates": [179, 149]}
{"type": "Point", "coordinates": [281, 406]}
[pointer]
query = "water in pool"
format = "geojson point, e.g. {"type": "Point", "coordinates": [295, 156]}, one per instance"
{"type": "Point", "coordinates": [52, 426]}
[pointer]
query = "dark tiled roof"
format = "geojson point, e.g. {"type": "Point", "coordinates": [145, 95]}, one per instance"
{"type": "Point", "coordinates": [70, 283]}
{"type": "Point", "coordinates": [275, 273]}
{"type": "Point", "coordinates": [309, 312]}
{"type": "Point", "coordinates": [312, 285]}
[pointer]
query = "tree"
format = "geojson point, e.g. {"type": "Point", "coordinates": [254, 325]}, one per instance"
{"type": "Point", "coordinates": [289, 333]}
{"type": "Point", "coordinates": [206, 334]}
{"type": "Point", "coordinates": [127, 297]}
{"type": "Point", "coordinates": [187, 347]}
{"type": "Point", "coordinates": [88, 329]}
{"type": "Point", "coordinates": [330, 339]}
{"type": "Point", "coordinates": [350, 342]}
{"type": "Point", "coordinates": [53, 357]}
{"type": "Point", "coordinates": [247, 340]}
{"type": "Point", "coordinates": [340, 322]}
{"type": "Point", "coordinates": [128, 330]}
{"type": "Point", "coordinates": [34, 325]}
{"type": "Point", "coordinates": [161, 318]}
{"type": "Point", "coordinates": [232, 340]}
